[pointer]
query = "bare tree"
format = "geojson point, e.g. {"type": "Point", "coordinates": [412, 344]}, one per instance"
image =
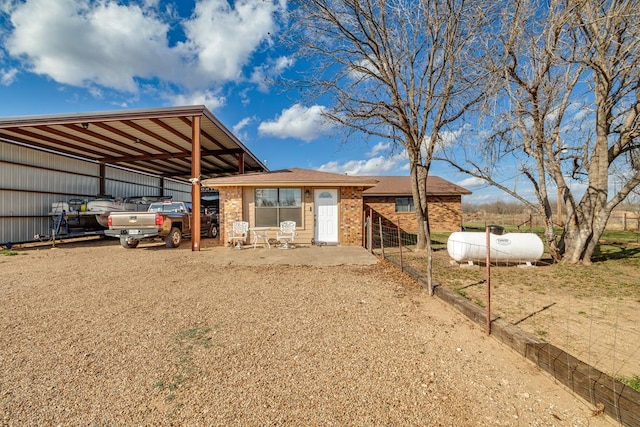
{"type": "Point", "coordinates": [401, 70]}
{"type": "Point", "coordinates": [571, 98]}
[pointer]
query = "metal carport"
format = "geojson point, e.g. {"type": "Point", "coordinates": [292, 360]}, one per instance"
{"type": "Point", "coordinates": [187, 143]}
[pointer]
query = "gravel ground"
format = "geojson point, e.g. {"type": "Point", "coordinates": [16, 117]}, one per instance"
{"type": "Point", "coordinates": [94, 334]}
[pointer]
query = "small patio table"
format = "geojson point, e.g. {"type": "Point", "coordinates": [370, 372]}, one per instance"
{"type": "Point", "coordinates": [260, 234]}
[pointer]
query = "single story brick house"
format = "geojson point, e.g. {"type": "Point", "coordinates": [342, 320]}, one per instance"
{"type": "Point", "coordinates": [392, 200]}
{"type": "Point", "coordinates": [328, 208]}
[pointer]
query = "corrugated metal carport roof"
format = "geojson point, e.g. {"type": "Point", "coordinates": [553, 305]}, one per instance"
{"type": "Point", "coordinates": [157, 141]}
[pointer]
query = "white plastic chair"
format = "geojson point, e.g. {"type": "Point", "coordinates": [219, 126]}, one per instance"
{"type": "Point", "coordinates": [239, 232]}
{"type": "Point", "coordinates": [287, 233]}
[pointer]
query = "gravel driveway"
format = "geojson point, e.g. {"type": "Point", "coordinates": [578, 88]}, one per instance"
{"type": "Point", "coordinates": [94, 334]}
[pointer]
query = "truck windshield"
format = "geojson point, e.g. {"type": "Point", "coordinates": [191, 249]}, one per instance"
{"type": "Point", "coordinates": [166, 207]}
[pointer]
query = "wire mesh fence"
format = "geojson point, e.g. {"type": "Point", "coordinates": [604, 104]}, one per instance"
{"type": "Point", "coordinates": [588, 311]}
{"type": "Point", "coordinates": [619, 220]}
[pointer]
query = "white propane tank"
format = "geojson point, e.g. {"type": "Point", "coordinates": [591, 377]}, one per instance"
{"type": "Point", "coordinates": [464, 246]}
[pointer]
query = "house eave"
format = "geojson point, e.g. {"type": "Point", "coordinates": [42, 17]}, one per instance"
{"type": "Point", "coordinates": [264, 183]}
{"type": "Point", "coordinates": [368, 194]}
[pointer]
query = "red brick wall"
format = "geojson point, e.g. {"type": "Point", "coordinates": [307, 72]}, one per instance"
{"type": "Point", "coordinates": [350, 212]}
{"type": "Point", "coordinates": [230, 209]}
{"type": "Point", "coordinates": [445, 213]}
{"type": "Point", "coordinates": [351, 205]}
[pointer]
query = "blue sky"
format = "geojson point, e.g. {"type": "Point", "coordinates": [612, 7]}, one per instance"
{"type": "Point", "coordinates": [64, 56]}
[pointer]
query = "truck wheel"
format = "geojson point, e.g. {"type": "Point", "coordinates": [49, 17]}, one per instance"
{"type": "Point", "coordinates": [213, 231]}
{"type": "Point", "coordinates": [174, 238]}
{"type": "Point", "coordinates": [128, 243]}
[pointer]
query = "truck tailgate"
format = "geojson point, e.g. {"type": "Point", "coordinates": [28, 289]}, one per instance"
{"type": "Point", "coordinates": [133, 220]}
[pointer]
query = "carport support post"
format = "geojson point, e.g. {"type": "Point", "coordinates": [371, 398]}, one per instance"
{"type": "Point", "coordinates": [241, 163]}
{"type": "Point", "coordinates": [102, 186]}
{"type": "Point", "coordinates": [195, 187]}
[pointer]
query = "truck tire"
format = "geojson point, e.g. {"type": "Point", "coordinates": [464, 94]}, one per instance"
{"type": "Point", "coordinates": [213, 231]}
{"type": "Point", "coordinates": [128, 243]}
{"type": "Point", "coordinates": [174, 238]}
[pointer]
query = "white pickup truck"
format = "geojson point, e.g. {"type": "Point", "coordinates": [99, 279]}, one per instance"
{"type": "Point", "coordinates": [170, 220]}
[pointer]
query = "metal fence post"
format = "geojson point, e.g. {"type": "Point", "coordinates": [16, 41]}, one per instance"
{"type": "Point", "coordinates": [381, 236]}
{"type": "Point", "coordinates": [370, 233]}
{"type": "Point", "coordinates": [400, 246]}
{"type": "Point", "coordinates": [488, 299]}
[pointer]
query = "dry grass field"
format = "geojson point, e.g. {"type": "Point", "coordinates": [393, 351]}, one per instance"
{"type": "Point", "coordinates": [589, 311]}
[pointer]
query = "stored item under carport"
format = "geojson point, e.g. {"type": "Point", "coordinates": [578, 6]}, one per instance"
{"type": "Point", "coordinates": [169, 220]}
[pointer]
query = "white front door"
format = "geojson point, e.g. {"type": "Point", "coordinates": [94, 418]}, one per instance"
{"type": "Point", "coordinates": [326, 215]}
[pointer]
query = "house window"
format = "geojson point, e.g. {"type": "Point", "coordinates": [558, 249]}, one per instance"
{"type": "Point", "coordinates": [405, 204]}
{"type": "Point", "coordinates": [274, 205]}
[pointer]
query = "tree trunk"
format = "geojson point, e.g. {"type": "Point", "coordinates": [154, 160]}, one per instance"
{"type": "Point", "coordinates": [581, 241]}
{"type": "Point", "coordinates": [554, 245]}
{"type": "Point", "coordinates": [419, 174]}
{"type": "Point", "coordinates": [427, 232]}
{"type": "Point", "coordinates": [419, 190]}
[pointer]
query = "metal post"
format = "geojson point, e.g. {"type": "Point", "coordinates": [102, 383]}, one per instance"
{"type": "Point", "coordinates": [370, 233]}
{"type": "Point", "coordinates": [365, 230]}
{"type": "Point", "coordinates": [381, 236]}
{"type": "Point", "coordinates": [102, 181]}
{"type": "Point", "coordinates": [488, 298]}
{"type": "Point", "coordinates": [400, 246]}
{"type": "Point", "coordinates": [195, 187]}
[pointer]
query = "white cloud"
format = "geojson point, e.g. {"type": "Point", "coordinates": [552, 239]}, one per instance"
{"type": "Point", "coordinates": [383, 165]}
{"type": "Point", "coordinates": [206, 98]}
{"type": "Point", "coordinates": [448, 138]}
{"type": "Point", "coordinates": [7, 76]}
{"type": "Point", "coordinates": [79, 43]}
{"type": "Point", "coordinates": [380, 160]}
{"type": "Point", "coordinates": [6, 6]}
{"type": "Point", "coordinates": [472, 182]}
{"type": "Point", "coordinates": [223, 37]}
{"type": "Point", "coordinates": [283, 63]}
{"type": "Point", "coordinates": [238, 128]}
{"type": "Point", "coordinates": [490, 195]}
{"type": "Point", "coordinates": [113, 45]}
{"type": "Point", "coordinates": [262, 74]}
{"type": "Point", "coordinates": [380, 147]}
{"type": "Point", "coordinates": [96, 92]}
{"type": "Point", "coordinates": [297, 122]}
{"type": "Point", "coordinates": [260, 79]}
{"type": "Point", "coordinates": [149, 4]}
{"type": "Point", "coordinates": [362, 70]}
